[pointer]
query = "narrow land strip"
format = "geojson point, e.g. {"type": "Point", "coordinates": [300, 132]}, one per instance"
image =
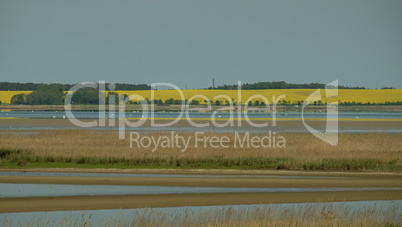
{"type": "Point", "coordinates": [367, 181]}
{"type": "Point", "coordinates": [175, 200]}
{"type": "Point", "coordinates": [200, 199]}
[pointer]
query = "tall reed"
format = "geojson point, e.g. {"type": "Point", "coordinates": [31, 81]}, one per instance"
{"type": "Point", "coordinates": [302, 151]}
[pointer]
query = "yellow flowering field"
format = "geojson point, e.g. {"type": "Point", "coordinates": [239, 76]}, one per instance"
{"type": "Point", "coordinates": [292, 95]}
{"type": "Point", "coordinates": [5, 96]}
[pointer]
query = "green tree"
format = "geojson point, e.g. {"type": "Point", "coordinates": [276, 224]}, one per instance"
{"type": "Point", "coordinates": [178, 101]}
{"type": "Point", "coordinates": [19, 99]}
{"type": "Point", "coordinates": [112, 97]}
{"type": "Point", "coordinates": [86, 96]}
{"type": "Point", "coordinates": [52, 94]}
{"type": "Point", "coordinates": [169, 101]}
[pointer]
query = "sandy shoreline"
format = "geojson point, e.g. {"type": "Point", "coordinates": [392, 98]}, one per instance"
{"type": "Point", "coordinates": [11, 205]}
{"type": "Point", "coordinates": [202, 199]}
{"type": "Point", "coordinates": [249, 181]}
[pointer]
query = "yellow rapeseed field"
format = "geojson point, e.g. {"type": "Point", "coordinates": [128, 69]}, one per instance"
{"type": "Point", "coordinates": [290, 95]}
{"type": "Point", "coordinates": [5, 96]}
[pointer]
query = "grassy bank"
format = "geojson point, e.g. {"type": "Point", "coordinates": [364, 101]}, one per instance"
{"type": "Point", "coordinates": [27, 160]}
{"type": "Point", "coordinates": [94, 149]}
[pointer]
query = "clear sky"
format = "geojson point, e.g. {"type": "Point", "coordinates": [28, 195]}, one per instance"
{"type": "Point", "coordinates": [188, 43]}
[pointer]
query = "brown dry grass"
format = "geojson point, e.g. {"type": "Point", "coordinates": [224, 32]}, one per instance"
{"type": "Point", "coordinates": [326, 214]}
{"type": "Point", "coordinates": [85, 146]}
{"type": "Point", "coordinates": [79, 143]}
{"type": "Point", "coordinates": [264, 215]}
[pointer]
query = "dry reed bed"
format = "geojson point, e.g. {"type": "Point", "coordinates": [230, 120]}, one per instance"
{"type": "Point", "coordinates": [326, 214]}
{"type": "Point", "coordinates": [302, 151]}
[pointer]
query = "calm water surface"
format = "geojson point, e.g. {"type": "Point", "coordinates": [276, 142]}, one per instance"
{"type": "Point", "coordinates": [195, 115]}
{"type": "Point", "coordinates": [45, 190]}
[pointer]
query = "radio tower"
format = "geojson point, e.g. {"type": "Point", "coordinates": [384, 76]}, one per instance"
{"type": "Point", "coordinates": [213, 83]}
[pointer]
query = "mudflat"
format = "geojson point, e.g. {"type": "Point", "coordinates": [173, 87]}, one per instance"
{"type": "Point", "coordinates": [269, 179]}
{"type": "Point", "coordinates": [10, 205]}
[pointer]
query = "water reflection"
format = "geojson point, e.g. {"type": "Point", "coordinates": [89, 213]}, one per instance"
{"type": "Point", "coordinates": [196, 114]}
{"type": "Point", "coordinates": [43, 190]}
{"type": "Point", "coordinates": [124, 217]}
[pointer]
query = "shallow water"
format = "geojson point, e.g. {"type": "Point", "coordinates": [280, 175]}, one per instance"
{"type": "Point", "coordinates": [359, 127]}
{"type": "Point", "coordinates": [195, 115]}
{"type": "Point", "coordinates": [143, 129]}
{"type": "Point", "coordinates": [45, 190]}
{"type": "Point", "coordinates": [126, 216]}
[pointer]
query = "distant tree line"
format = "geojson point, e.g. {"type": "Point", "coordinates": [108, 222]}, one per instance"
{"type": "Point", "coordinates": [52, 94]}
{"type": "Point", "coordinates": [132, 87]}
{"type": "Point", "coordinates": [369, 103]}
{"type": "Point", "coordinates": [278, 85]}
{"type": "Point", "coordinates": [55, 95]}
{"type": "Point", "coordinates": [10, 86]}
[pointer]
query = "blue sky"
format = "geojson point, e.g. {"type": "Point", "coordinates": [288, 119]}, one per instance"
{"type": "Point", "coordinates": [188, 43]}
